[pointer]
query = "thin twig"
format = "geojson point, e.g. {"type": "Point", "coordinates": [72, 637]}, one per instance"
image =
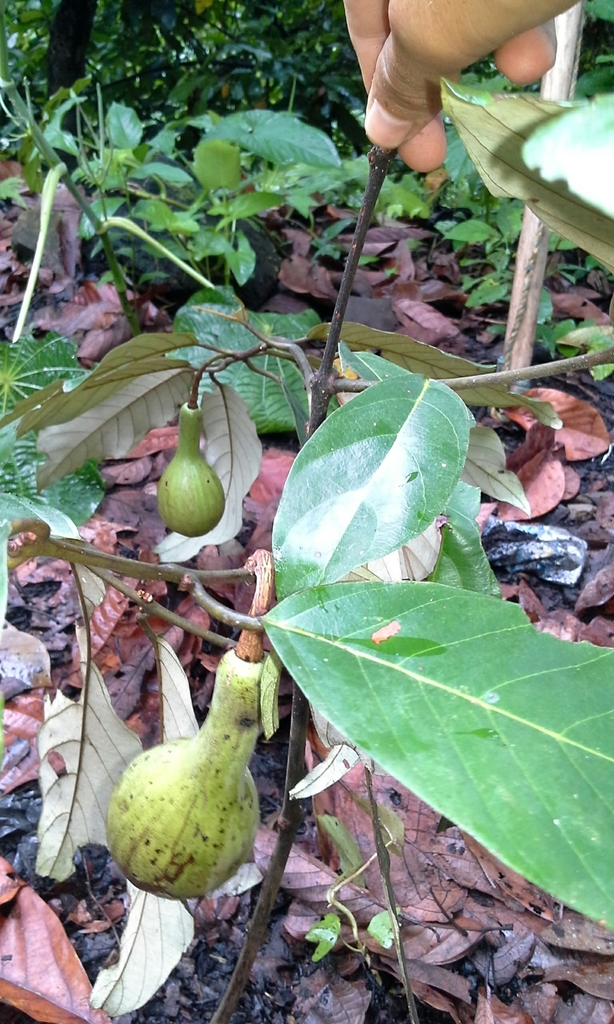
{"type": "Point", "coordinates": [321, 382]}
{"type": "Point", "coordinates": [34, 546]}
{"type": "Point", "coordinates": [573, 365]}
{"type": "Point", "coordinates": [288, 823]}
{"type": "Point", "coordinates": [383, 859]}
{"type": "Point", "coordinates": [216, 609]}
{"type": "Point", "coordinates": [151, 607]}
{"type": "Point", "coordinates": [291, 813]}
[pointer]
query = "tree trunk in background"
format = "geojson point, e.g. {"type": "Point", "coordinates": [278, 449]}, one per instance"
{"type": "Point", "coordinates": [68, 42]}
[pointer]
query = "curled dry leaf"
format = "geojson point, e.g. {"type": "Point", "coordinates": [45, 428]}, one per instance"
{"type": "Point", "coordinates": [40, 973]}
{"type": "Point", "coordinates": [583, 433]}
{"type": "Point", "coordinates": [22, 718]}
{"type": "Point", "coordinates": [597, 591]}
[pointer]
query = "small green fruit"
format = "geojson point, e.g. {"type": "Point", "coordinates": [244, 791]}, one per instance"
{"type": "Point", "coordinates": [190, 495]}
{"type": "Point", "coordinates": [183, 816]}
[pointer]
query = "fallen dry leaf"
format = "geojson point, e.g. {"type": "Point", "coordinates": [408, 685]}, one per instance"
{"type": "Point", "coordinates": [584, 1009]}
{"type": "Point", "coordinates": [598, 590]}
{"type": "Point", "coordinates": [579, 306]}
{"type": "Point", "coordinates": [561, 624]}
{"type": "Point", "coordinates": [22, 717]}
{"type": "Point", "coordinates": [599, 631]}
{"type": "Point", "coordinates": [584, 433]}
{"type": "Point", "coordinates": [40, 973]}
{"type": "Point", "coordinates": [543, 479]}
{"type": "Point", "coordinates": [160, 439]}
{"type": "Point", "coordinates": [595, 978]}
{"type": "Point", "coordinates": [574, 931]}
{"type": "Point", "coordinates": [572, 483]}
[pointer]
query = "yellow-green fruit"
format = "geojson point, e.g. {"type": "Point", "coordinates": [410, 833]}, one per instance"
{"type": "Point", "coordinates": [183, 816]}
{"type": "Point", "coordinates": [190, 495]}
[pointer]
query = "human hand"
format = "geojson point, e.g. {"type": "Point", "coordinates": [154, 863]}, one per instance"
{"type": "Point", "coordinates": [404, 47]}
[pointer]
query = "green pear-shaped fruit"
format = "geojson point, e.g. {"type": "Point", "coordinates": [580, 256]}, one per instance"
{"type": "Point", "coordinates": [190, 495]}
{"type": "Point", "coordinates": [183, 816]}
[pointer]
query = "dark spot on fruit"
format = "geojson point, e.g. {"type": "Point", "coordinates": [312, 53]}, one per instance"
{"type": "Point", "coordinates": [247, 723]}
{"type": "Point", "coordinates": [227, 736]}
{"type": "Point", "coordinates": [147, 842]}
{"type": "Point", "coordinates": [204, 838]}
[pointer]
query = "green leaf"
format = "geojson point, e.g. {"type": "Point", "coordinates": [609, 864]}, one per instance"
{"type": "Point", "coordinates": [5, 529]}
{"type": "Point", "coordinates": [61, 402]}
{"type": "Point", "coordinates": [374, 475]}
{"type": "Point", "coordinates": [248, 204]}
{"type": "Point", "coordinates": [603, 9]}
{"type": "Point", "coordinates": [279, 138]}
{"type": "Point", "coordinates": [78, 495]}
{"type": "Point", "coordinates": [578, 148]}
{"type": "Point", "coordinates": [124, 126]}
{"type": "Point", "coordinates": [471, 231]}
{"type": "Point", "coordinates": [325, 933]}
{"type": "Point", "coordinates": [242, 259]}
{"type": "Point", "coordinates": [411, 355]}
{"type": "Point", "coordinates": [217, 164]}
{"type": "Point", "coordinates": [350, 857]}
{"type": "Point", "coordinates": [169, 173]}
{"type": "Point", "coordinates": [12, 507]}
{"type": "Point", "coordinates": [494, 132]}
{"type": "Point", "coordinates": [380, 927]}
{"type": "Point", "coordinates": [462, 561]}
{"type": "Point", "coordinates": [504, 730]}
{"type": "Point", "coordinates": [489, 290]}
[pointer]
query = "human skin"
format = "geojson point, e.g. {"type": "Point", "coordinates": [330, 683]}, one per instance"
{"type": "Point", "coordinates": [405, 47]}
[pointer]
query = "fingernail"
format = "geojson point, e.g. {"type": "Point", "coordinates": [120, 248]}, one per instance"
{"type": "Point", "coordinates": [383, 128]}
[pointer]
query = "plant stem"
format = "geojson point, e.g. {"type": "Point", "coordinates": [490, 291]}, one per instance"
{"type": "Point", "coordinates": [82, 553]}
{"type": "Point", "coordinates": [218, 610]}
{"type": "Point", "coordinates": [383, 860]}
{"type": "Point", "coordinates": [289, 821]}
{"type": "Point", "coordinates": [507, 377]}
{"type": "Point", "coordinates": [151, 607]}
{"type": "Point", "coordinates": [291, 813]}
{"type": "Point", "coordinates": [322, 388]}
{"type": "Point", "coordinates": [573, 365]}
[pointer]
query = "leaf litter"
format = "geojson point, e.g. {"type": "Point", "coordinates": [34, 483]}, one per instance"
{"type": "Point", "coordinates": [482, 943]}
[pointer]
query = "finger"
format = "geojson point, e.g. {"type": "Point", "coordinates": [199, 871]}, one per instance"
{"type": "Point", "coordinates": [426, 150]}
{"type": "Point", "coordinates": [528, 56]}
{"type": "Point", "coordinates": [402, 100]}
{"type": "Point", "coordinates": [368, 26]}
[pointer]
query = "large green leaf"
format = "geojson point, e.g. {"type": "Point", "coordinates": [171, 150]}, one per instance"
{"type": "Point", "coordinates": [462, 560]}
{"type": "Point", "coordinates": [277, 137]}
{"type": "Point", "coordinates": [578, 148]}
{"type": "Point", "coordinates": [415, 356]}
{"type": "Point", "coordinates": [374, 475]}
{"type": "Point", "coordinates": [506, 731]}
{"type": "Point", "coordinates": [494, 130]}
